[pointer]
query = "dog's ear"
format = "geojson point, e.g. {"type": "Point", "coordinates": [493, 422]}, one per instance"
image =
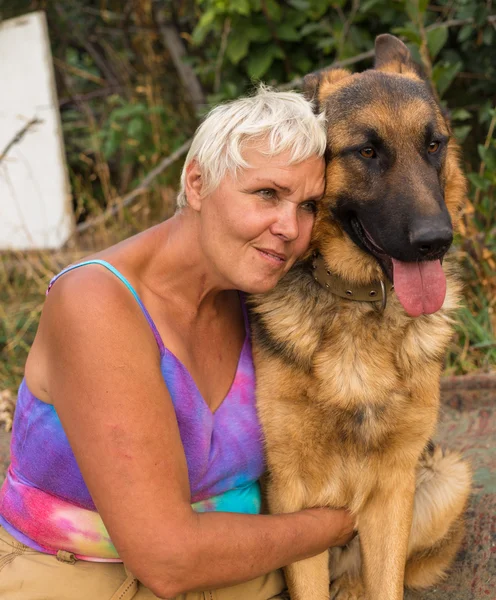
{"type": "Point", "coordinates": [393, 56]}
{"type": "Point", "coordinates": [317, 86]}
{"type": "Point", "coordinates": [311, 84]}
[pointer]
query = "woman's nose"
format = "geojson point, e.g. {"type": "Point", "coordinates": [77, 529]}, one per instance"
{"type": "Point", "coordinates": [286, 225]}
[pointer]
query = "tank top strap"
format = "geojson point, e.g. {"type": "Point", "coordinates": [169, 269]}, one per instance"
{"type": "Point", "coordinates": [120, 276]}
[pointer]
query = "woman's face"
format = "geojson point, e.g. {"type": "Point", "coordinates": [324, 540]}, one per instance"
{"type": "Point", "coordinates": [254, 226]}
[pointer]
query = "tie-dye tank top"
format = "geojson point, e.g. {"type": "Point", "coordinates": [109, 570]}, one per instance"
{"type": "Point", "coordinates": [44, 501]}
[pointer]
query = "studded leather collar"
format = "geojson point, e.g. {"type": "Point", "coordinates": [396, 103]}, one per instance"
{"type": "Point", "coordinates": [376, 291]}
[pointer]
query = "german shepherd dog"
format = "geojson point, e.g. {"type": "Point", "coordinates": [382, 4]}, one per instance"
{"type": "Point", "coordinates": [349, 346]}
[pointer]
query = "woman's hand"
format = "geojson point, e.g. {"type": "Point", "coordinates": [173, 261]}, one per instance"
{"type": "Point", "coordinates": [339, 522]}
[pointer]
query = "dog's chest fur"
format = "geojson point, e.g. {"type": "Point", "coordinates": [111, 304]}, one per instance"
{"type": "Point", "coordinates": [340, 382]}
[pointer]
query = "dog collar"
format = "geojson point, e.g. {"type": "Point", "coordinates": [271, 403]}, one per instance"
{"type": "Point", "coordinates": [376, 291]}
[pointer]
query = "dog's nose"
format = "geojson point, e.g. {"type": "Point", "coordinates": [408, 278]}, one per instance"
{"type": "Point", "coordinates": [430, 240]}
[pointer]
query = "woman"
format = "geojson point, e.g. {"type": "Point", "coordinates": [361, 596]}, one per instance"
{"type": "Point", "coordinates": [135, 436]}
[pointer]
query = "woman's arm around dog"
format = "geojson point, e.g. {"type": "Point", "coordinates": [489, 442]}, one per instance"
{"type": "Point", "coordinates": [121, 424]}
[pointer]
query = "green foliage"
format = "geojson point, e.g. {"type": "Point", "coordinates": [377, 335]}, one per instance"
{"type": "Point", "coordinates": [436, 39]}
{"type": "Point", "coordinates": [128, 127]}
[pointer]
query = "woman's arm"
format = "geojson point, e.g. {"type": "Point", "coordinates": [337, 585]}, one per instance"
{"type": "Point", "coordinates": [103, 376]}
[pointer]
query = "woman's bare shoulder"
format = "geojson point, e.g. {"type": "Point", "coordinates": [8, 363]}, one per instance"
{"type": "Point", "coordinates": [87, 310]}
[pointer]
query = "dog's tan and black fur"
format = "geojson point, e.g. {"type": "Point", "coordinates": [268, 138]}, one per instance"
{"type": "Point", "coordinates": [348, 391]}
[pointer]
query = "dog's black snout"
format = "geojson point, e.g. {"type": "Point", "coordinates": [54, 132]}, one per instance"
{"type": "Point", "coordinates": [431, 241]}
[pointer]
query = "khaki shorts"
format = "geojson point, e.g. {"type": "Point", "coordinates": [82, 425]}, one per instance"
{"type": "Point", "coordinates": [26, 574]}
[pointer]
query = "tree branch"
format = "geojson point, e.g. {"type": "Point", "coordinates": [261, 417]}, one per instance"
{"type": "Point", "coordinates": [459, 22]}
{"type": "Point", "coordinates": [173, 42]}
{"type": "Point", "coordinates": [18, 136]}
{"type": "Point", "coordinates": [296, 83]}
{"type": "Point", "coordinates": [90, 95]}
{"type": "Point", "coordinates": [142, 187]}
{"type": "Point", "coordinates": [222, 50]}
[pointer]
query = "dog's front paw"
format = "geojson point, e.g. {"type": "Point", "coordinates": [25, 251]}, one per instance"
{"type": "Point", "coordinates": [346, 588]}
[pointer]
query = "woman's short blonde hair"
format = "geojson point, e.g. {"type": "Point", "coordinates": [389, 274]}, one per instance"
{"type": "Point", "coordinates": [284, 121]}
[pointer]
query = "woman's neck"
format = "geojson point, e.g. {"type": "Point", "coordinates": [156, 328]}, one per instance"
{"type": "Point", "coordinates": [176, 268]}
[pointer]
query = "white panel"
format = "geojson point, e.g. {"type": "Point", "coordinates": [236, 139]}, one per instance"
{"type": "Point", "coordinates": [35, 203]}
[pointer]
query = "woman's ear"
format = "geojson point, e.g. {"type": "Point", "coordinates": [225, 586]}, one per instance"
{"type": "Point", "coordinates": [193, 185]}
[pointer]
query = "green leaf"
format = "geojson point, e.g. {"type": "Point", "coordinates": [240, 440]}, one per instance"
{"type": "Point", "coordinates": [415, 10]}
{"type": "Point", "coordinates": [485, 112]}
{"type": "Point", "coordinates": [488, 156]}
{"type": "Point", "coordinates": [319, 7]}
{"type": "Point", "coordinates": [460, 114]}
{"type": "Point", "coordinates": [422, 6]}
{"type": "Point", "coordinates": [259, 62]}
{"type": "Point", "coordinates": [410, 33]}
{"type": "Point", "coordinates": [231, 90]}
{"type": "Point", "coordinates": [204, 27]}
{"type": "Point", "coordinates": [258, 31]}
{"type": "Point", "coordinates": [135, 128]}
{"type": "Point", "coordinates": [310, 28]}
{"type": "Point", "coordinates": [465, 32]}
{"type": "Point", "coordinates": [299, 4]}
{"type": "Point", "coordinates": [295, 18]}
{"type": "Point", "coordinates": [462, 132]}
{"type": "Point", "coordinates": [480, 15]}
{"type": "Point", "coordinates": [287, 33]}
{"type": "Point", "coordinates": [111, 144]}
{"type": "Point", "coordinates": [127, 111]}
{"type": "Point", "coordinates": [479, 182]}
{"type": "Point", "coordinates": [273, 10]}
{"type": "Point", "coordinates": [487, 36]}
{"type": "Point", "coordinates": [412, 9]}
{"type": "Point", "coordinates": [415, 52]}
{"type": "Point", "coordinates": [367, 5]}
{"type": "Point", "coordinates": [158, 110]}
{"type": "Point", "coordinates": [326, 44]}
{"type": "Point", "coordinates": [303, 64]}
{"type": "Point", "coordinates": [242, 7]}
{"type": "Point", "coordinates": [436, 39]}
{"type": "Point", "coordinates": [237, 47]}
{"type": "Point", "coordinates": [443, 75]}
{"type": "Point", "coordinates": [278, 52]}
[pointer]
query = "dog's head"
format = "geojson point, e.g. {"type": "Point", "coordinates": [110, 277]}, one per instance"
{"type": "Point", "coordinates": [394, 186]}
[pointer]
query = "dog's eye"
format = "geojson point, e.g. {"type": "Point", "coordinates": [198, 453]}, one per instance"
{"type": "Point", "coordinates": [368, 152]}
{"type": "Point", "coordinates": [433, 147]}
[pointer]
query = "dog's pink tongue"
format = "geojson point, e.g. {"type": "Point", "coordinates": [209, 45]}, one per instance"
{"type": "Point", "coordinates": [420, 287]}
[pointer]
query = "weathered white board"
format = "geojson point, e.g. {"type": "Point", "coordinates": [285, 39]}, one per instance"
{"type": "Point", "coordinates": [35, 203]}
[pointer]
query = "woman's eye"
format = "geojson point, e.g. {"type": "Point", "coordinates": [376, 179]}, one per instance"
{"type": "Point", "coordinates": [267, 194]}
{"type": "Point", "coordinates": [309, 207]}
{"type": "Point", "coordinates": [368, 152]}
{"type": "Point", "coordinates": [433, 147]}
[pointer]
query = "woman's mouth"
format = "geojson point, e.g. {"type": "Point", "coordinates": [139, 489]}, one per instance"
{"type": "Point", "coordinates": [273, 257]}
